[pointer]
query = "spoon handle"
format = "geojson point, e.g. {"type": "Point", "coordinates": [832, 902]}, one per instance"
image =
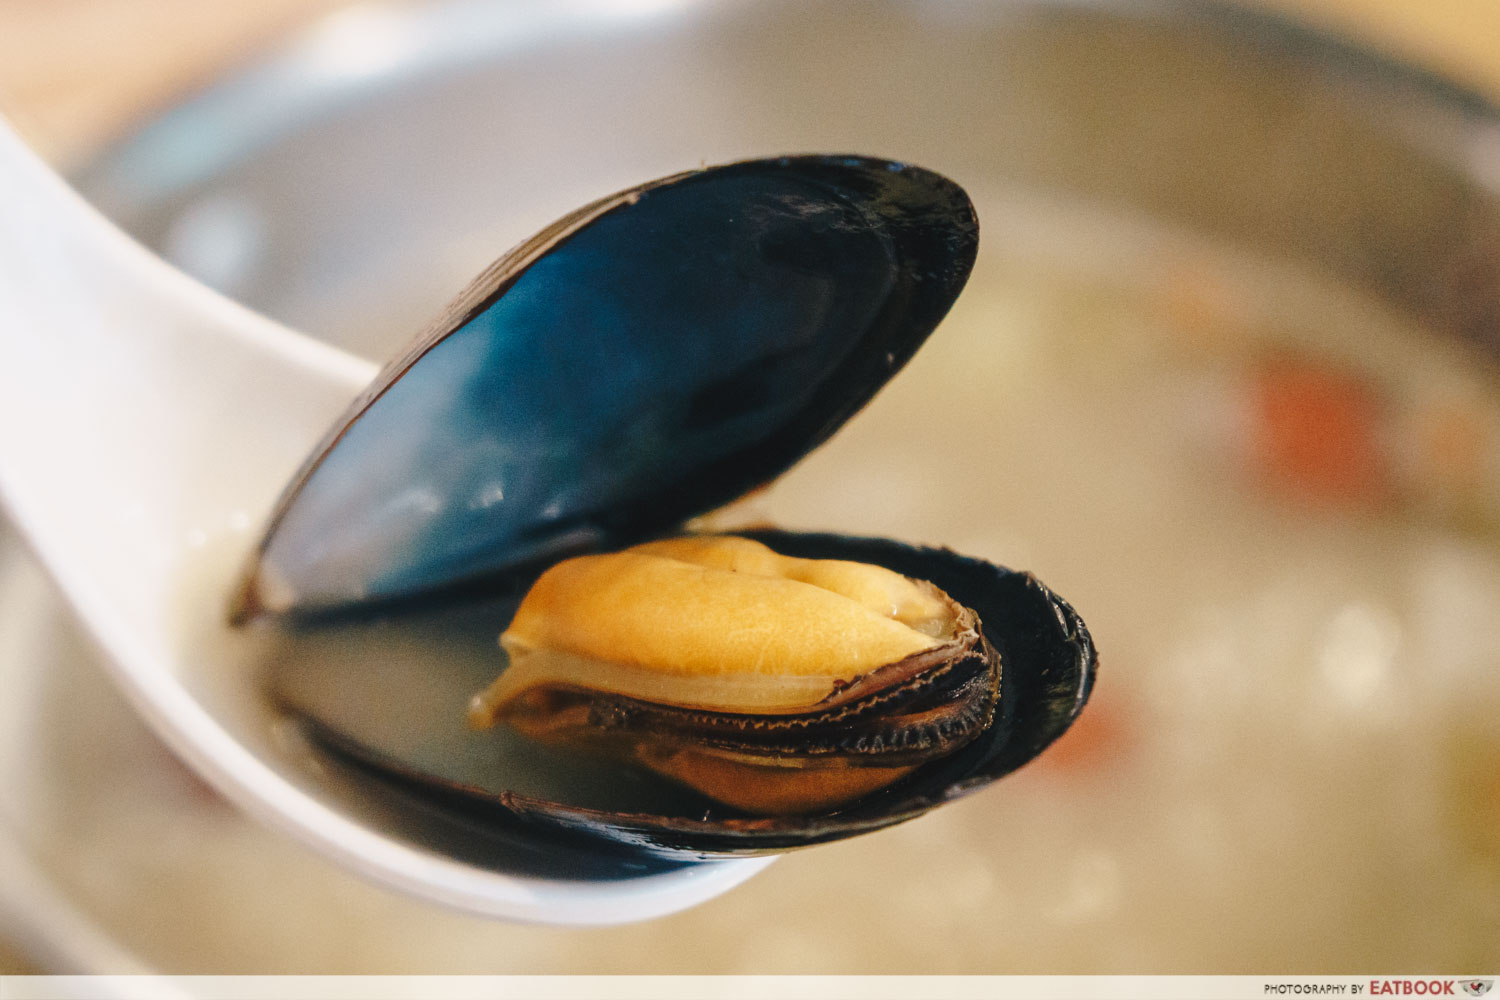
{"type": "Point", "coordinates": [143, 418]}
{"type": "Point", "coordinates": [140, 413]}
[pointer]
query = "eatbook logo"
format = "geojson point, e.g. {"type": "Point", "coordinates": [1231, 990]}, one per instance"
{"type": "Point", "coordinates": [1478, 987]}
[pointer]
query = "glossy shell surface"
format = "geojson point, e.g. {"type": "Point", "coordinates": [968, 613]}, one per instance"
{"type": "Point", "coordinates": [649, 357]}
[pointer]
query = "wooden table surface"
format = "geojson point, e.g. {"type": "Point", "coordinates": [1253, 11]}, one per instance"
{"type": "Point", "coordinates": [74, 72]}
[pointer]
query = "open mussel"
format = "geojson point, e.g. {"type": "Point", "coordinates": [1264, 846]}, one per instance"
{"type": "Point", "coordinates": [766, 682]}
{"type": "Point", "coordinates": [1047, 660]}
{"type": "Point", "coordinates": [646, 359]}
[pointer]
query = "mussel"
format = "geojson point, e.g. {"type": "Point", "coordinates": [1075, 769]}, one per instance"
{"type": "Point", "coordinates": [646, 359]}
{"type": "Point", "coordinates": [768, 683]}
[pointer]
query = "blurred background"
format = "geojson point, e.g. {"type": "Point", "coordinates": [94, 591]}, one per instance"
{"type": "Point", "coordinates": [1288, 543]}
{"type": "Point", "coordinates": [75, 72]}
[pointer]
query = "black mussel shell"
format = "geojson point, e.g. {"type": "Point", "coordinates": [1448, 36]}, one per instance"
{"type": "Point", "coordinates": [646, 359]}
{"type": "Point", "coordinates": [650, 357]}
{"type": "Point", "coordinates": [1047, 671]}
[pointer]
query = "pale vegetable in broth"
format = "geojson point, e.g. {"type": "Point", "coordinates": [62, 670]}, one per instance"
{"type": "Point", "coordinates": [1275, 502]}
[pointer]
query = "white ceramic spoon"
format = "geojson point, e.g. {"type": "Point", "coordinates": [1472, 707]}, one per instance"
{"type": "Point", "coordinates": [144, 419]}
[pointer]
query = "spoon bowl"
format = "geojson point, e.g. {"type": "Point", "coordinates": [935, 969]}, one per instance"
{"type": "Point", "coordinates": [146, 423]}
